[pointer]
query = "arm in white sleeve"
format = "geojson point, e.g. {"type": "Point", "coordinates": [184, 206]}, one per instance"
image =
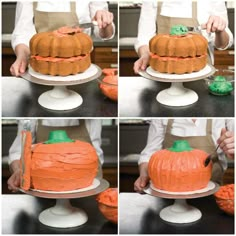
{"type": "Point", "coordinates": [24, 26]}
{"type": "Point", "coordinates": [15, 149]}
{"type": "Point", "coordinates": [219, 9]}
{"type": "Point", "coordinates": [94, 7]}
{"type": "Point", "coordinates": [147, 24]}
{"type": "Point", "coordinates": [94, 127]}
{"type": "Point", "coordinates": [156, 134]}
{"type": "Point", "coordinates": [230, 124]}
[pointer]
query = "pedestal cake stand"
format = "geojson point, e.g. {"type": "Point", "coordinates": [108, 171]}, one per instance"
{"type": "Point", "coordinates": [63, 214]}
{"type": "Point", "coordinates": [60, 98]}
{"type": "Point", "coordinates": [181, 212]}
{"type": "Point", "coordinates": [177, 94]}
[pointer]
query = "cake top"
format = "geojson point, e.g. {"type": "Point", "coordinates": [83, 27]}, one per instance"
{"type": "Point", "coordinates": [180, 146]}
{"type": "Point", "coordinates": [66, 30]}
{"type": "Point", "coordinates": [58, 136]}
{"type": "Point", "coordinates": [178, 30]}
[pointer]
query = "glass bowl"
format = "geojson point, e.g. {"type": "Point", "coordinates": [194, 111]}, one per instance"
{"type": "Point", "coordinates": [109, 86]}
{"type": "Point", "coordinates": [225, 198]}
{"type": "Point", "coordinates": [108, 204]}
{"type": "Point", "coordinates": [221, 83]}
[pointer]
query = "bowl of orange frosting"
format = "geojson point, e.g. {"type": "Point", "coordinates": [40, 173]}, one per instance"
{"type": "Point", "coordinates": [225, 198]}
{"type": "Point", "coordinates": [108, 84]}
{"type": "Point", "coordinates": [108, 204]}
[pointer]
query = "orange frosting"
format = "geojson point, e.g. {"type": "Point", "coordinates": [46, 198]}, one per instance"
{"type": "Point", "coordinates": [108, 202]}
{"type": "Point", "coordinates": [109, 197]}
{"type": "Point", "coordinates": [25, 161]}
{"type": "Point", "coordinates": [66, 30]}
{"type": "Point", "coordinates": [179, 171]}
{"type": "Point", "coordinates": [57, 59]}
{"type": "Point", "coordinates": [62, 166]}
{"type": "Point", "coordinates": [109, 88]}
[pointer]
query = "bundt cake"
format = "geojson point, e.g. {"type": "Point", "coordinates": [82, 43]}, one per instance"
{"type": "Point", "coordinates": [62, 52]}
{"type": "Point", "coordinates": [179, 52]}
{"type": "Point", "coordinates": [58, 164]}
{"type": "Point", "coordinates": [179, 168]}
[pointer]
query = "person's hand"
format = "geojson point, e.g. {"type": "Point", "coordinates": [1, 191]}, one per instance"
{"type": "Point", "coordinates": [141, 63]}
{"type": "Point", "coordinates": [104, 18]}
{"type": "Point", "coordinates": [141, 183]}
{"type": "Point", "coordinates": [226, 142]}
{"type": "Point", "coordinates": [14, 181]}
{"type": "Point", "coordinates": [19, 66]}
{"type": "Point", "coordinates": [22, 58]}
{"type": "Point", "coordinates": [214, 24]}
{"type": "Point", "coordinates": [143, 178]}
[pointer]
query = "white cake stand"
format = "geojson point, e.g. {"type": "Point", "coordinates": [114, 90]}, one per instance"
{"type": "Point", "coordinates": [181, 212]}
{"type": "Point", "coordinates": [177, 94]}
{"type": "Point", "coordinates": [63, 214]}
{"type": "Point", "coordinates": [60, 98]}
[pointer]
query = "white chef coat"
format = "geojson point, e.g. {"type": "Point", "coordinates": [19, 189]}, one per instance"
{"type": "Point", "coordinates": [183, 128]}
{"type": "Point", "coordinates": [24, 26]}
{"type": "Point", "coordinates": [183, 8]}
{"type": "Point", "coordinates": [94, 127]}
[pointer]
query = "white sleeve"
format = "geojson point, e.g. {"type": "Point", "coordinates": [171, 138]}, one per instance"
{"type": "Point", "coordinates": [156, 134]}
{"type": "Point", "coordinates": [94, 127]}
{"type": "Point", "coordinates": [230, 124]}
{"type": "Point", "coordinates": [219, 9]}
{"type": "Point", "coordinates": [15, 149]}
{"type": "Point", "coordinates": [24, 26]}
{"type": "Point", "coordinates": [147, 24]}
{"type": "Point", "coordinates": [94, 7]}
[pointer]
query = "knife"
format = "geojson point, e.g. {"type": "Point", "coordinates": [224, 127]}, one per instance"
{"type": "Point", "coordinates": [87, 24]}
{"type": "Point", "coordinates": [199, 29]}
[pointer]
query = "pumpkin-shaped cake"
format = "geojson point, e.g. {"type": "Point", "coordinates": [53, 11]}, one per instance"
{"type": "Point", "coordinates": [179, 168]}
{"type": "Point", "coordinates": [62, 52]}
{"type": "Point", "coordinates": [178, 52]}
{"type": "Point", "coordinates": [59, 164]}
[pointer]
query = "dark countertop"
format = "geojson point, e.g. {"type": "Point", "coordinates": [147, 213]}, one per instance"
{"type": "Point", "coordinates": [137, 98]}
{"type": "Point", "coordinates": [20, 216]}
{"type": "Point", "coordinates": [20, 99]}
{"type": "Point", "coordinates": [139, 214]}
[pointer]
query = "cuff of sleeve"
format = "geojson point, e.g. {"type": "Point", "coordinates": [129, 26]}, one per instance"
{"type": "Point", "coordinates": [143, 159]}
{"type": "Point", "coordinates": [13, 157]}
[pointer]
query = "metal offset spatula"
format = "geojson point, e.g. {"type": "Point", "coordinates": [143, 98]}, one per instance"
{"type": "Point", "coordinates": [210, 157]}
{"type": "Point", "coordinates": [87, 25]}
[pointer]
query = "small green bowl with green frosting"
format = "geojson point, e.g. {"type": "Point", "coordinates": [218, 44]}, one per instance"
{"type": "Point", "coordinates": [221, 85]}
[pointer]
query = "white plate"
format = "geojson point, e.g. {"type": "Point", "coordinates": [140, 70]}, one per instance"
{"type": "Point", "coordinates": [209, 187]}
{"type": "Point", "coordinates": [91, 71]}
{"type": "Point", "coordinates": [206, 70]}
{"type": "Point", "coordinates": [94, 185]}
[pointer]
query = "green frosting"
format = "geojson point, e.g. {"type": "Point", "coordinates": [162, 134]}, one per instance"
{"type": "Point", "coordinates": [220, 86]}
{"type": "Point", "coordinates": [58, 136]}
{"type": "Point", "coordinates": [180, 146]}
{"type": "Point", "coordinates": [178, 30]}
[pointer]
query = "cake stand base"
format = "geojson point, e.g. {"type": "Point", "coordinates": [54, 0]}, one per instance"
{"type": "Point", "coordinates": [177, 95]}
{"type": "Point", "coordinates": [180, 212]}
{"type": "Point", "coordinates": [60, 99]}
{"type": "Point", "coordinates": [63, 215]}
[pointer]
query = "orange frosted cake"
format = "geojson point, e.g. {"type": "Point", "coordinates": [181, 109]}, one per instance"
{"type": "Point", "coordinates": [59, 164]}
{"type": "Point", "coordinates": [179, 168]}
